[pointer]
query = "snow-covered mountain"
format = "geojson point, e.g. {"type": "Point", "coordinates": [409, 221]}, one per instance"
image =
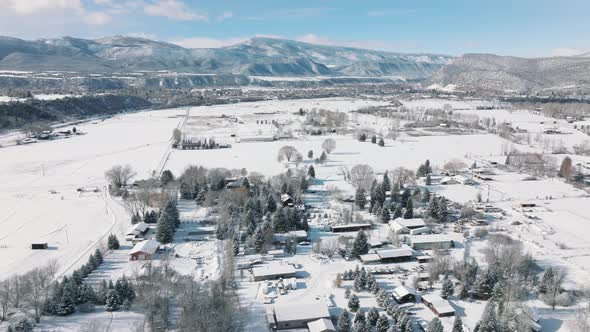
{"type": "Point", "coordinates": [257, 56]}
{"type": "Point", "coordinates": [505, 73]}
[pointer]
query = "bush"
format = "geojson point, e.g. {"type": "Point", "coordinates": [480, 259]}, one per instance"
{"type": "Point", "coordinates": [86, 307]}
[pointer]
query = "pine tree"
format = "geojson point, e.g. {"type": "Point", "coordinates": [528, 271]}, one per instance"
{"type": "Point", "coordinates": [66, 305]}
{"type": "Point", "coordinates": [546, 281]}
{"type": "Point", "coordinates": [353, 303]}
{"type": "Point", "coordinates": [397, 212]}
{"type": "Point", "coordinates": [382, 324]}
{"type": "Point", "coordinates": [165, 229]}
{"type": "Point", "coordinates": [382, 298]}
{"type": "Point", "coordinates": [443, 210]}
{"type": "Point", "coordinates": [447, 288]}
{"type": "Point", "coordinates": [428, 180]}
{"type": "Point", "coordinates": [360, 198]}
{"type": "Point", "coordinates": [433, 208]}
{"type": "Point", "coordinates": [92, 262]}
{"type": "Point", "coordinates": [409, 212]}
{"type": "Point", "coordinates": [381, 142]}
{"type": "Point", "coordinates": [98, 256]}
{"type": "Point", "coordinates": [311, 171]}
{"type": "Point", "coordinates": [373, 316]}
{"type": "Point", "coordinates": [113, 242]}
{"type": "Point", "coordinates": [458, 324]}
{"type": "Point", "coordinates": [101, 293]}
{"type": "Point", "coordinates": [271, 204]}
{"type": "Point", "coordinates": [489, 319]}
{"type": "Point", "coordinates": [347, 293]}
{"type": "Point", "coordinates": [385, 216]}
{"type": "Point", "coordinates": [112, 301]}
{"type": "Point", "coordinates": [360, 246]}
{"type": "Point", "coordinates": [323, 157]}
{"type": "Point", "coordinates": [343, 322]}
{"type": "Point", "coordinates": [435, 325]}
{"type": "Point", "coordinates": [236, 246]}
{"type": "Point", "coordinates": [360, 316]}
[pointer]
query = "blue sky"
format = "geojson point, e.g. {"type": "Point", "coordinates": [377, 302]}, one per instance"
{"type": "Point", "coordinates": [518, 27]}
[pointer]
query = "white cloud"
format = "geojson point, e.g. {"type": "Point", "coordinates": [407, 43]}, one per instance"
{"type": "Point", "coordinates": [28, 7]}
{"type": "Point", "coordinates": [568, 51]}
{"type": "Point", "coordinates": [97, 18]}
{"type": "Point", "coordinates": [174, 9]}
{"type": "Point", "coordinates": [366, 44]}
{"type": "Point", "coordinates": [224, 16]}
{"type": "Point", "coordinates": [204, 42]}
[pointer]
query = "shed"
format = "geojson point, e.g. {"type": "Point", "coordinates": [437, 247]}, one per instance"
{"type": "Point", "coordinates": [297, 314]}
{"type": "Point", "coordinates": [403, 294]}
{"type": "Point", "coordinates": [400, 225]}
{"type": "Point", "coordinates": [273, 271]}
{"type": "Point", "coordinates": [403, 253]}
{"type": "Point", "coordinates": [321, 325]}
{"type": "Point", "coordinates": [287, 200]}
{"type": "Point", "coordinates": [137, 229]}
{"type": "Point", "coordinates": [439, 306]}
{"type": "Point", "coordinates": [430, 241]}
{"type": "Point", "coordinates": [350, 228]}
{"type": "Point", "coordinates": [370, 258]}
{"type": "Point", "coordinates": [144, 250]}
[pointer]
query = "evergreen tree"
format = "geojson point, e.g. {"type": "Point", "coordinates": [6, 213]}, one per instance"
{"type": "Point", "coordinates": [347, 293]}
{"type": "Point", "coordinates": [397, 212]}
{"type": "Point", "coordinates": [443, 210]}
{"type": "Point", "coordinates": [113, 242]}
{"type": "Point", "coordinates": [271, 204]}
{"type": "Point", "coordinates": [385, 216]}
{"type": "Point", "coordinates": [428, 180]}
{"type": "Point", "coordinates": [360, 246]}
{"type": "Point", "coordinates": [236, 246]}
{"type": "Point", "coordinates": [98, 256]}
{"type": "Point", "coordinates": [311, 171]}
{"type": "Point", "coordinates": [171, 213]}
{"type": "Point", "coordinates": [92, 262]}
{"type": "Point", "coordinates": [373, 316]}
{"type": "Point", "coordinates": [373, 139]}
{"type": "Point", "coordinates": [433, 208]}
{"type": "Point", "coordinates": [546, 281]}
{"type": "Point", "coordinates": [353, 303]}
{"type": "Point", "coordinates": [360, 198]}
{"type": "Point", "coordinates": [323, 157]}
{"type": "Point", "coordinates": [66, 306]}
{"type": "Point", "coordinates": [425, 195]}
{"type": "Point", "coordinates": [381, 142]}
{"type": "Point", "coordinates": [458, 324]}
{"type": "Point", "coordinates": [409, 211]}
{"type": "Point", "coordinates": [436, 326]}
{"type": "Point", "coordinates": [112, 301]}
{"type": "Point", "coordinates": [360, 316]}
{"type": "Point", "coordinates": [310, 154]}
{"type": "Point", "coordinates": [166, 228]}
{"type": "Point", "coordinates": [166, 178]}
{"type": "Point", "coordinates": [343, 324]}
{"type": "Point", "coordinates": [382, 324]}
{"type": "Point", "coordinates": [447, 288]}
{"type": "Point", "coordinates": [101, 293]}
{"type": "Point", "coordinates": [489, 319]}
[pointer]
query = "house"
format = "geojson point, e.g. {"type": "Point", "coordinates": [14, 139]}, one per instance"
{"type": "Point", "coordinates": [421, 230]}
{"type": "Point", "coordinates": [273, 271]}
{"type": "Point", "coordinates": [39, 245]}
{"type": "Point", "coordinates": [136, 230]}
{"type": "Point", "coordinates": [439, 306]}
{"type": "Point", "coordinates": [287, 200]}
{"type": "Point", "coordinates": [144, 250]}
{"type": "Point", "coordinates": [403, 294]}
{"type": "Point", "coordinates": [238, 185]}
{"type": "Point", "coordinates": [401, 254]}
{"type": "Point", "coordinates": [321, 325]}
{"type": "Point", "coordinates": [400, 225]}
{"type": "Point", "coordinates": [430, 241]}
{"type": "Point", "coordinates": [350, 228]}
{"type": "Point", "coordinates": [464, 180]}
{"type": "Point", "coordinates": [424, 258]}
{"type": "Point", "coordinates": [374, 243]}
{"type": "Point", "coordinates": [277, 253]}
{"type": "Point", "coordinates": [296, 315]}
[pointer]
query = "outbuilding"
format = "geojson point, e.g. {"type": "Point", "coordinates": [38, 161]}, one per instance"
{"type": "Point", "coordinates": [297, 315]}
{"type": "Point", "coordinates": [439, 306]}
{"type": "Point", "coordinates": [321, 325]}
{"type": "Point", "coordinates": [39, 245]}
{"type": "Point", "coordinates": [400, 225]}
{"type": "Point", "coordinates": [403, 294]}
{"type": "Point", "coordinates": [273, 271]}
{"type": "Point", "coordinates": [370, 258]}
{"type": "Point", "coordinates": [144, 250]}
{"type": "Point", "coordinates": [430, 241]}
{"type": "Point", "coordinates": [350, 228]}
{"type": "Point", "coordinates": [401, 254]}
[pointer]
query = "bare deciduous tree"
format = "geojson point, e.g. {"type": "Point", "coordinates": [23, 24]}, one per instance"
{"type": "Point", "coordinates": [454, 165]}
{"type": "Point", "coordinates": [329, 145]}
{"type": "Point", "coordinates": [5, 291]}
{"type": "Point", "coordinates": [329, 247]}
{"type": "Point", "coordinates": [361, 176]}
{"type": "Point", "coordinates": [402, 175]}
{"type": "Point", "coordinates": [119, 175]}
{"type": "Point", "coordinates": [287, 152]}
{"type": "Point", "coordinates": [36, 289]}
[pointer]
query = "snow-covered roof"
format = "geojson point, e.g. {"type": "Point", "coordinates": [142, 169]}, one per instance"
{"type": "Point", "coordinates": [285, 197]}
{"type": "Point", "coordinates": [273, 270]}
{"type": "Point", "coordinates": [403, 251]}
{"type": "Point", "coordinates": [441, 305]}
{"type": "Point", "coordinates": [301, 311]}
{"type": "Point", "coordinates": [430, 238]}
{"type": "Point", "coordinates": [370, 258]}
{"type": "Point", "coordinates": [321, 325]}
{"type": "Point", "coordinates": [402, 291]}
{"type": "Point", "coordinates": [400, 223]}
{"type": "Point", "coordinates": [351, 226]}
{"type": "Point", "coordinates": [147, 246]}
{"type": "Point", "coordinates": [137, 229]}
